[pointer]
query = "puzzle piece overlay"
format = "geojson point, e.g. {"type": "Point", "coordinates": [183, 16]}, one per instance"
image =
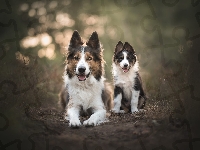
{"type": "Point", "coordinates": [165, 36]}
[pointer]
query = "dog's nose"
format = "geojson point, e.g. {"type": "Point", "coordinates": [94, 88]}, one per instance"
{"type": "Point", "coordinates": [125, 65]}
{"type": "Point", "coordinates": [81, 69]}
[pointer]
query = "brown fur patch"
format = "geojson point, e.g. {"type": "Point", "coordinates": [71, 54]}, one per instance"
{"type": "Point", "coordinates": [95, 64]}
{"type": "Point", "coordinates": [72, 60]}
{"type": "Point", "coordinates": [94, 58]}
{"type": "Point", "coordinates": [107, 96]}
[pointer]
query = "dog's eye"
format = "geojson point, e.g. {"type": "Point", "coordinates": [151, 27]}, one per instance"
{"type": "Point", "coordinates": [76, 57]}
{"type": "Point", "coordinates": [89, 58]}
{"type": "Point", "coordinates": [121, 58]}
{"type": "Point", "coordinates": [128, 57]}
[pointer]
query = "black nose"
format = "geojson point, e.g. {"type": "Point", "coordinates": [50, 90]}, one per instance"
{"type": "Point", "coordinates": [81, 69]}
{"type": "Point", "coordinates": [125, 65]}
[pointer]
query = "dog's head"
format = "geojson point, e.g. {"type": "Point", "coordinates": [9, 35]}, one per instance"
{"type": "Point", "coordinates": [84, 60]}
{"type": "Point", "coordinates": [124, 56]}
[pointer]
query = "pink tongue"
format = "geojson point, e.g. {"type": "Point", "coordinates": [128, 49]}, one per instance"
{"type": "Point", "coordinates": [125, 70]}
{"type": "Point", "coordinates": [81, 78]}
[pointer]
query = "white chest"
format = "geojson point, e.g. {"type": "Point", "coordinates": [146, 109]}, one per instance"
{"type": "Point", "coordinates": [126, 86]}
{"type": "Point", "coordinates": [85, 93]}
{"type": "Point", "coordinates": [125, 81]}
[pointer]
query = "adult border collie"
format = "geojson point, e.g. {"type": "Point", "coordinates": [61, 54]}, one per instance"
{"type": "Point", "coordinates": [129, 95]}
{"type": "Point", "coordinates": [85, 91]}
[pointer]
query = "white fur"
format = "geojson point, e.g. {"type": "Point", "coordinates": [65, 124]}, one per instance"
{"type": "Point", "coordinates": [117, 104]}
{"type": "Point", "coordinates": [126, 81]}
{"type": "Point", "coordinates": [124, 61]}
{"type": "Point", "coordinates": [134, 100]}
{"type": "Point", "coordinates": [85, 94]}
{"type": "Point", "coordinates": [82, 63]}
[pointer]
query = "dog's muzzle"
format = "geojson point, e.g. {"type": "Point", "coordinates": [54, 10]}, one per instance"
{"type": "Point", "coordinates": [81, 74]}
{"type": "Point", "coordinates": [125, 68]}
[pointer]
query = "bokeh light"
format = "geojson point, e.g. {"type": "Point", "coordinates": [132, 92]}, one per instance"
{"type": "Point", "coordinates": [30, 42]}
{"type": "Point", "coordinates": [45, 39]}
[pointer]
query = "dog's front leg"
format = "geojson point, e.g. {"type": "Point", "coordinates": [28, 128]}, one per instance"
{"type": "Point", "coordinates": [96, 118]}
{"type": "Point", "coordinates": [117, 100]}
{"type": "Point", "coordinates": [73, 114]}
{"type": "Point", "coordinates": [117, 104]}
{"type": "Point", "coordinates": [134, 100]}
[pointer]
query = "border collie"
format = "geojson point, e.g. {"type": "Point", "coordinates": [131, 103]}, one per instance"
{"type": "Point", "coordinates": [85, 91]}
{"type": "Point", "coordinates": [129, 95]}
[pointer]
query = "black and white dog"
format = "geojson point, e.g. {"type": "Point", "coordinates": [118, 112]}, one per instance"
{"type": "Point", "coordinates": [85, 90]}
{"type": "Point", "coordinates": [129, 95]}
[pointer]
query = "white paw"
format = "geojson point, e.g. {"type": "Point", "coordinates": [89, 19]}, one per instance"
{"type": "Point", "coordinates": [90, 122]}
{"type": "Point", "coordinates": [117, 111]}
{"type": "Point", "coordinates": [134, 109]}
{"type": "Point", "coordinates": [74, 123]}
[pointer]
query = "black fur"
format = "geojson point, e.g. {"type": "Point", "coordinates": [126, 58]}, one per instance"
{"type": "Point", "coordinates": [138, 87]}
{"type": "Point", "coordinates": [132, 58]}
{"type": "Point", "coordinates": [119, 56]}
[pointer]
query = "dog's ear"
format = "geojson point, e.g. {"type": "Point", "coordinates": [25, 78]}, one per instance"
{"type": "Point", "coordinates": [118, 47]}
{"type": "Point", "coordinates": [76, 40]}
{"type": "Point", "coordinates": [93, 41]}
{"type": "Point", "coordinates": [128, 47]}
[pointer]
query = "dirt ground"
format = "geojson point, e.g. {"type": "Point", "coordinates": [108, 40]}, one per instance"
{"type": "Point", "coordinates": [152, 128]}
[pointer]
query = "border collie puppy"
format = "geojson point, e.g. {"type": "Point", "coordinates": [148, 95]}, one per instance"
{"type": "Point", "coordinates": [129, 95]}
{"type": "Point", "coordinates": [85, 91]}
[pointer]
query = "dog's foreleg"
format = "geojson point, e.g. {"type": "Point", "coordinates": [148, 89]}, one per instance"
{"type": "Point", "coordinates": [96, 118]}
{"type": "Point", "coordinates": [134, 101]}
{"type": "Point", "coordinates": [99, 113]}
{"type": "Point", "coordinates": [73, 114]}
{"type": "Point", "coordinates": [117, 100]}
{"type": "Point", "coordinates": [117, 104]}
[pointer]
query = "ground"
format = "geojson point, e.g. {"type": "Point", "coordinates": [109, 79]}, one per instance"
{"type": "Point", "coordinates": [122, 131]}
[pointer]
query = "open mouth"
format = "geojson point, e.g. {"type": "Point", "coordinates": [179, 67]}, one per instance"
{"type": "Point", "coordinates": [125, 69]}
{"type": "Point", "coordinates": [82, 77]}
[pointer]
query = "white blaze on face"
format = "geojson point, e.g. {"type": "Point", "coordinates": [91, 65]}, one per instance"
{"type": "Point", "coordinates": [124, 64]}
{"type": "Point", "coordinates": [82, 64]}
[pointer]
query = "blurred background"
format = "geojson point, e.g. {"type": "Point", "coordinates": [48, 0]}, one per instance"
{"type": "Point", "coordinates": [34, 36]}
{"type": "Point", "coordinates": [159, 31]}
